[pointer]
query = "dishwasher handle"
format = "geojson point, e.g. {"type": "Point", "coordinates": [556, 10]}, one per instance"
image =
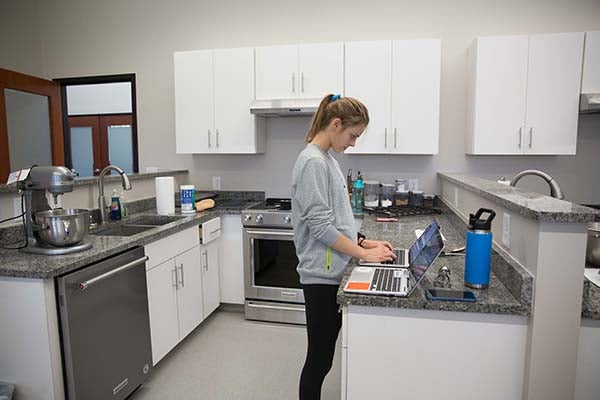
{"type": "Point", "coordinates": [86, 284]}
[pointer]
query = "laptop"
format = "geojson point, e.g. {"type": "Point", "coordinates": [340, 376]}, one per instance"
{"type": "Point", "coordinates": [404, 257]}
{"type": "Point", "coordinates": [397, 281]}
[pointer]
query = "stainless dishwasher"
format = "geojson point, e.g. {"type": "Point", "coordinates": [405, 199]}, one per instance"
{"type": "Point", "coordinates": [105, 329]}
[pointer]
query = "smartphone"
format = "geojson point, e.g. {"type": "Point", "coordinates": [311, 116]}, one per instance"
{"type": "Point", "coordinates": [450, 295]}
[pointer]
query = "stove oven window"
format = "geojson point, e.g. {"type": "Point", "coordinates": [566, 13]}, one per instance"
{"type": "Point", "coordinates": [275, 264]}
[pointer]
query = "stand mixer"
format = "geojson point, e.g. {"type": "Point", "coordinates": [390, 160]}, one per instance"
{"type": "Point", "coordinates": [52, 231]}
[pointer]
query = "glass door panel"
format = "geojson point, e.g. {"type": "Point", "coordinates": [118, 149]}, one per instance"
{"type": "Point", "coordinates": [275, 263]}
{"type": "Point", "coordinates": [82, 150]}
{"type": "Point", "coordinates": [120, 148]}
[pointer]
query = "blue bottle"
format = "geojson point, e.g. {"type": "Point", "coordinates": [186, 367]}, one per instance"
{"type": "Point", "coordinates": [357, 195]}
{"type": "Point", "coordinates": [115, 206]}
{"type": "Point", "coordinates": [479, 250]}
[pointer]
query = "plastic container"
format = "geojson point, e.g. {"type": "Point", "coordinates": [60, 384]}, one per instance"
{"type": "Point", "coordinates": [123, 204]}
{"type": "Point", "coordinates": [416, 198]}
{"type": "Point", "coordinates": [386, 198]}
{"type": "Point", "coordinates": [372, 190]}
{"type": "Point", "coordinates": [188, 199]}
{"type": "Point", "coordinates": [6, 391]}
{"type": "Point", "coordinates": [401, 185]}
{"type": "Point", "coordinates": [479, 250]}
{"type": "Point", "coordinates": [357, 195]}
{"type": "Point", "coordinates": [115, 206]}
{"type": "Point", "coordinates": [401, 198]}
{"type": "Point", "coordinates": [429, 200]}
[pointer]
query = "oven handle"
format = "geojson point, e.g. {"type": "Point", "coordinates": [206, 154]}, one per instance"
{"type": "Point", "coordinates": [277, 233]}
{"type": "Point", "coordinates": [274, 307]}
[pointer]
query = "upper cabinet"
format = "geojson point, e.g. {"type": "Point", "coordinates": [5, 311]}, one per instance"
{"type": "Point", "coordinates": [590, 83]}
{"type": "Point", "coordinates": [524, 94]}
{"type": "Point", "coordinates": [213, 93]}
{"type": "Point", "coordinates": [399, 82]}
{"type": "Point", "coordinates": [299, 71]}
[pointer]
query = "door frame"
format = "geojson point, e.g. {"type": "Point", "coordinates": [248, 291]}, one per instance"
{"type": "Point", "coordinates": [91, 80]}
{"type": "Point", "coordinates": [31, 84]}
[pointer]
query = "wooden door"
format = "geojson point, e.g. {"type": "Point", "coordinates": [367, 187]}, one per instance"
{"type": "Point", "coordinates": [22, 83]}
{"type": "Point", "coordinates": [368, 78]}
{"type": "Point", "coordinates": [321, 68]}
{"type": "Point", "coordinates": [553, 87]}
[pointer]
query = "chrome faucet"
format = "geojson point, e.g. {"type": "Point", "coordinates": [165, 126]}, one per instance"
{"type": "Point", "coordinates": [101, 200]}
{"type": "Point", "coordinates": [555, 190]}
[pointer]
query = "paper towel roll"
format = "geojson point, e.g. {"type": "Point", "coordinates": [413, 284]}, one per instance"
{"type": "Point", "coordinates": [165, 195]}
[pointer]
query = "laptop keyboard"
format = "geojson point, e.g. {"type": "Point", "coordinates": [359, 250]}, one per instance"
{"type": "Point", "coordinates": [390, 280]}
{"type": "Point", "coordinates": [400, 258]}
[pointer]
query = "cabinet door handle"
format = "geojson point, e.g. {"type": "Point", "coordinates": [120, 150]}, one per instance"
{"type": "Point", "coordinates": [385, 140]}
{"type": "Point", "coordinates": [302, 81]}
{"type": "Point", "coordinates": [209, 138]}
{"type": "Point", "coordinates": [182, 279]}
{"type": "Point", "coordinates": [395, 138]}
{"type": "Point", "coordinates": [206, 260]}
{"type": "Point", "coordinates": [520, 136]}
{"type": "Point", "coordinates": [174, 281]}
{"type": "Point", "coordinates": [530, 136]}
{"type": "Point", "coordinates": [293, 83]}
{"type": "Point", "coordinates": [217, 138]}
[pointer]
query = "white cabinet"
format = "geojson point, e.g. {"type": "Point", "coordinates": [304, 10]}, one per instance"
{"type": "Point", "coordinates": [304, 71]}
{"type": "Point", "coordinates": [590, 82]}
{"type": "Point", "coordinates": [209, 256]}
{"type": "Point", "coordinates": [175, 290]}
{"type": "Point", "coordinates": [213, 93]}
{"type": "Point", "coordinates": [399, 82]}
{"type": "Point", "coordinates": [529, 102]}
{"type": "Point", "coordinates": [231, 271]}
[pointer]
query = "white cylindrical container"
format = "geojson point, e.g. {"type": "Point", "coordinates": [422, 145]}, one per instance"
{"type": "Point", "coordinates": [372, 189]}
{"type": "Point", "coordinates": [188, 199]}
{"type": "Point", "coordinates": [165, 195]}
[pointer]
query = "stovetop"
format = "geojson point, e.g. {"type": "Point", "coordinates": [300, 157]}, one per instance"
{"type": "Point", "coordinates": [274, 204]}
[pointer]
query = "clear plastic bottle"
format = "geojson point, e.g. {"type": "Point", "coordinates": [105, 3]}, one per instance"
{"type": "Point", "coordinates": [123, 204]}
{"type": "Point", "coordinates": [357, 195]}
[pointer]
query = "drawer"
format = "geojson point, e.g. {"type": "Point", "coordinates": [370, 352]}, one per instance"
{"type": "Point", "coordinates": [210, 230]}
{"type": "Point", "coordinates": [166, 248]}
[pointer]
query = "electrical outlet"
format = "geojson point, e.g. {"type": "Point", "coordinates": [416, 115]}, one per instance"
{"type": "Point", "coordinates": [413, 184]}
{"type": "Point", "coordinates": [17, 205]}
{"type": "Point", "coordinates": [216, 183]}
{"type": "Point", "coordinates": [506, 230]}
{"type": "Point", "coordinates": [456, 197]}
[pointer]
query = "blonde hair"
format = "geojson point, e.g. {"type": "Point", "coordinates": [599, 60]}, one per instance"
{"type": "Point", "coordinates": [349, 110]}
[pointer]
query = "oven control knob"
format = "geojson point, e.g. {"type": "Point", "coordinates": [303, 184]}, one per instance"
{"type": "Point", "coordinates": [287, 219]}
{"type": "Point", "coordinates": [259, 218]}
{"type": "Point", "coordinates": [248, 217]}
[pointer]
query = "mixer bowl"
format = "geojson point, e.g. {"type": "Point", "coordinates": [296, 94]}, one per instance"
{"type": "Point", "coordinates": [63, 228]}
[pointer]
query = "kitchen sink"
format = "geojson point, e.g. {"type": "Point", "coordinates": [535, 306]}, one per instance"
{"type": "Point", "coordinates": [154, 220]}
{"type": "Point", "coordinates": [123, 230]}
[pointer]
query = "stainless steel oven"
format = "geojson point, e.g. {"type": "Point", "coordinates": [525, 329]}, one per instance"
{"type": "Point", "coordinates": [271, 283]}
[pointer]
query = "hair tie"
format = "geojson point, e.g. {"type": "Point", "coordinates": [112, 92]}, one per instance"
{"type": "Point", "coordinates": [336, 97]}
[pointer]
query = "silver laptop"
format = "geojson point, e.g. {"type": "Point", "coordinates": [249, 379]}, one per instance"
{"type": "Point", "coordinates": [404, 257]}
{"type": "Point", "coordinates": [397, 281]}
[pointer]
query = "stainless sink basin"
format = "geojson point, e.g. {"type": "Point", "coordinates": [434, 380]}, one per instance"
{"type": "Point", "coordinates": [154, 220]}
{"type": "Point", "coordinates": [123, 230]}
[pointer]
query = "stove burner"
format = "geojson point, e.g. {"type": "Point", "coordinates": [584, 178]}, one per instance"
{"type": "Point", "coordinates": [275, 204]}
{"type": "Point", "coordinates": [402, 211]}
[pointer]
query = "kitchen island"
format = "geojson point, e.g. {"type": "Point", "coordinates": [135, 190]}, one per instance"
{"type": "Point", "coordinates": [516, 342]}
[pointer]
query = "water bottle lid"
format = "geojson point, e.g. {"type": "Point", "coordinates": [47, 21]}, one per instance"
{"type": "Point", "coordinates": [479, 224]}
{"type": "Point", "coordinates": [359, 184]}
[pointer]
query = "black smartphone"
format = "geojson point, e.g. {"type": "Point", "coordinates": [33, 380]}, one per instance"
{"type": "Point", "coordinates": [450, 295]}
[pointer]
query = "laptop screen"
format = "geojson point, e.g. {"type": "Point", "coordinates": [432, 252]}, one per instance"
{"type": "Point", "coordinates": [419, 244]}
{"type": "Point", "coordinates": [432, 245]}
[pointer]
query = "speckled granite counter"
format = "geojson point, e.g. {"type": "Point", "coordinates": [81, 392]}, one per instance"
{"type": "Point", "coordinates": [591, 301]}
{"type": "Point", "coordinates": [497, 299]}
{"type": "Point", "coordinates": [531, 205]}
{"type": "Point", "coordinates": [24, 265]}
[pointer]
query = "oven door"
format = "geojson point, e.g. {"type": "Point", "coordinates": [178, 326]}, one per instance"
{"type": "Point", "coordinates": [270, 263]}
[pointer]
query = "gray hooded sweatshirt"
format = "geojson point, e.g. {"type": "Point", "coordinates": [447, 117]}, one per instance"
{"type": "Point", "coordinates": [321, 212]}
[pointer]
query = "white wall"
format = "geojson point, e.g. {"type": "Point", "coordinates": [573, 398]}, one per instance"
{"type": "Point", "coordinates": [113, 37]}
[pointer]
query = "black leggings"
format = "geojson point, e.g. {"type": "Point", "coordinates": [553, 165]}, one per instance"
{"type": "Point", "coordinates": [323, 323]}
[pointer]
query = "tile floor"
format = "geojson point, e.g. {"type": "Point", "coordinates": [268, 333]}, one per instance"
{"type": "Point", "coordinates": [229, 358]}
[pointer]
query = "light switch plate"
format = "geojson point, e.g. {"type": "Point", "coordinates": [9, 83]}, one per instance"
{"type": "Point", "coordinates": [506, 230]}
{"type": "Point", "coordinates": [413, 184]}
{"type": "Point", "coordinates": [216, 183]}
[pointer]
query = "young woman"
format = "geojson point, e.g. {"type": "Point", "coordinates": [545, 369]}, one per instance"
{"type": "Point", "coordinates": [325, 233]}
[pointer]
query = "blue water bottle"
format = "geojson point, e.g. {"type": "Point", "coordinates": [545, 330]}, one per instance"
{"type": "Point", "coordinates": [357, 195]}
{"type": "Point", "coordinates": [479, 249]}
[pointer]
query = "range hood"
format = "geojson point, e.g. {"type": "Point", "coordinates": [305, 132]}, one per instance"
{"type": "Point", "coordinates": [589, 103]}
{"type": "Point", "coordinates": [284, 107]}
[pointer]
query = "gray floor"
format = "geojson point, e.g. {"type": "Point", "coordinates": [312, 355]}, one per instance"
{"type": "Point", "coordinates": [229, 358]}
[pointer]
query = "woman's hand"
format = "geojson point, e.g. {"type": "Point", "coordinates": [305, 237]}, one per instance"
{"type": "Point", "coordinates": [381, 251]}
{"type": "Point", "coordinates": [371, 244]}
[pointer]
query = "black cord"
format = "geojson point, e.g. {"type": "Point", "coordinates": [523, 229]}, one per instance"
{"type": "Point", "coordinates": [11, 218]}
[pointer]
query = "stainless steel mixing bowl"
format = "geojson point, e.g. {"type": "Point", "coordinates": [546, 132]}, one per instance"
{"type": "Point", "coordinates": [63, 227]}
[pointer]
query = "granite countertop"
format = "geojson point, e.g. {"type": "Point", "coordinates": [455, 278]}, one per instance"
{"type": "Point", "coordinates": [25, 265]}
{"type": "Point", "coordinates": [531, 205]}
{"type": "Point", "coordinates": [497, 299]}
{"type": "Point", "coordinates": [591, 301]}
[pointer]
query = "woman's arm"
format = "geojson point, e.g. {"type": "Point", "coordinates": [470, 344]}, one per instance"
{"type": "Point", "coordinates": [374, 254]}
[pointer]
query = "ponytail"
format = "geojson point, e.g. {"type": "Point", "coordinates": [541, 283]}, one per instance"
{"type": "Point", "coordinates": [349, 110]}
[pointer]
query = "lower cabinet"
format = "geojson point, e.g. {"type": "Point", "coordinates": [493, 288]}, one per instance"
{"type": "Point", "coordinates": [211, 295]}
